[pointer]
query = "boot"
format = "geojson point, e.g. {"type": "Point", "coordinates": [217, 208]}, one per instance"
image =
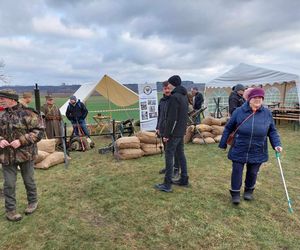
{"type": "Point", "coordinates": [31, 208]}
{"type": "Point", "coordinates": [162, 171]}
{"type": "Point", "coordinates": [235, 197]}
{"type": "Point", "coordinates": [165, 187]}
{"type": "Point", "coordinates": [13, 216]}
{"type": "Point", "coordinates": [183, 181]}
{"type": "Point", "coordinates": [248, 194]}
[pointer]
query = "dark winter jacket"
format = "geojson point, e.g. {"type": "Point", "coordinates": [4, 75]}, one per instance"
{"type": "Point", "coordinates": [250, 141]}
{"type": "Point", "coordinates": [177, 113]}
{"type": "Point", "coordinates": [235, 101]}
{"type": "Point", "coordinates": [198, 101]}
{"type": "Point", "coordinates": [162, 111]}
{"type": "Point", "coordinates": [76, 112]}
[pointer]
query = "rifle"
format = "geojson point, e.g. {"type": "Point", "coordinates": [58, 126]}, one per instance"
{"type": "Point", "coordinates": [80, 133]}
{"type": "Point", "coordinates": [63, 140]}
{"type": "Point", "coordinates": [37, 98]}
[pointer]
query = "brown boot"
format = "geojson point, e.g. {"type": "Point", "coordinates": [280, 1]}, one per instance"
{"type": "Point", "coordinates": [31, 208]}
{"type": "Point", "coordinates": [13, 216]}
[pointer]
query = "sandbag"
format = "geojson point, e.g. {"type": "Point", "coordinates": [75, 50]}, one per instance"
{"type": "Point", "coordinates": [189, 134]}
{"type": "Point", "coordinates": [147, 137]}
{"type": "Point", "coordinates": [128, 142]}
{"type": "Point", "coordinates": [207, 120]}
{"type": "Point", "coordinates": [218, 138]}
{"type": "Point", "coordinates": [130, 153]}
{"type": "Point", "coordinates": [198, 141]}
{"type": "Point", "coordinates": [41, 156]}
{"type": "Point", "coordinates": [224, 120]}
{"type": "Point", "coordinates": [47, 145]}
{"type": "Point", "coordinates": [151, 149]}
{"type": "Point", "coordinates": [209, 140]}
{"type": "Point", "coordinates": [51, 160]}
{"type": "Point", "coordinates": [203, 128]}
{"type": "Point", "coordinates": [207, 134]}
{"type": "Point", "coordinates": [217, 130]}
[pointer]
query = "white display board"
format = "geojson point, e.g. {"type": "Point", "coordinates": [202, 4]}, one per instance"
{"type": "Point", "coordinates": [148, 105]}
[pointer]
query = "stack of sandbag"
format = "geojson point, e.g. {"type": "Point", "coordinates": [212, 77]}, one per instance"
{"type": "Point", "coordinates": [128, 148]}
{"type": "Point", "coordinates": [150, 143]}
{"type": "Point", "coordinates": [189, 133]}
{"type": "Point", "coordinates": [47, 156]}
{"type": "Point", "coordinates": [210, 130]}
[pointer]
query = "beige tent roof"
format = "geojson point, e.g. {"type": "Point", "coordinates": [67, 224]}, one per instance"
{"type": "Point", "coordinates": [110, 89]}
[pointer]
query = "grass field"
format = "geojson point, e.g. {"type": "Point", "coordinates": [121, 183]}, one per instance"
{"type": "Point", "coordinates": [97, 103]}
{"type": "Point", "coordinates": [99, 203]}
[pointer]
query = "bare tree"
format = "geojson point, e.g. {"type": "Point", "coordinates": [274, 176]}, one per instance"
{"type": "Point", "coordinates": [2, 76]}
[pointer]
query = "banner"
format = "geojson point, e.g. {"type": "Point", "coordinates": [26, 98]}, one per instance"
{"type": "Point", "coordinates": [148, 105]}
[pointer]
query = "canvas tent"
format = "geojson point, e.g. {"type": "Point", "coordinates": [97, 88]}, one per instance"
{"type": "Point", "coordinates": [281, 86]}
{"type": "Point", "coordinates": [110, 89]}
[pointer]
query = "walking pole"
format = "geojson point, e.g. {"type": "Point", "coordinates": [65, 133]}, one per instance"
{"type": "Point", "coordinates": [284, 184]}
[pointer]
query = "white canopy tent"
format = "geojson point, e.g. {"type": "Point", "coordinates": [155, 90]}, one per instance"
{"type": "Point", "coordinates": [115, 92]}
{"type": "Point", "coordinates": [253, 75]}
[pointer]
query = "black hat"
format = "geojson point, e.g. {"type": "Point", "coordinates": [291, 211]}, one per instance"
{"type": "Point", "coordinates": [9, 93]}
{"type": "Point", "coordinates": [175, 80]}
{"type": "Point", "coordinates": [239, 87]}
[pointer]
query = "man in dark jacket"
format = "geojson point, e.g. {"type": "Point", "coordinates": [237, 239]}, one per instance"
{"type": "Point", "coordinates": [76, 113]}
{"type": "Point", "coordinates": [176, 120]}
{"type": "Point", "coordinates": [161, 121]}
{"type": "Point", "coordinates": [236, 98]}
{"type": "Point", "coordinates": [197, 102]}
{"type": "Point", "coordinates": [20, 129]}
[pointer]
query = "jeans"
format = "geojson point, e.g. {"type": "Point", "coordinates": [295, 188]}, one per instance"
{"type": "Point", "coordinates": [83, 127]}
{"type": "Point", "coordinates": [10, 178]}
{"type": "Point", "coordinates": [176, 161]}
{"type": "Point", "coordinates": [197, 119]}
{"type": "Point", "coordinates": [175, 146]}
{"type": "Point", "coordinates": [237, 175]}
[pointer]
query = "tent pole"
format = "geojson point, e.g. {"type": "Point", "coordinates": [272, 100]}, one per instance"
{"type": "Point", "coordinates": [284, 93]}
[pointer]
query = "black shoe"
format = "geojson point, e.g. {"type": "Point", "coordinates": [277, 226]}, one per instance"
{"type": "Point", "coordinates": [248, 194]}
{"type": "Point", "coordinates": [162, 171]}
{"type": "Point", "coordinates": [183, 181]}
{"type": "Point", "coordinates": [163, 187]}
{"type": "Point", "coordinates": [235, 197]}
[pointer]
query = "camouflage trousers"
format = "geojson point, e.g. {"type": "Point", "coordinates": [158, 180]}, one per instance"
{"type": "Point", "coordinates": [10, 178]}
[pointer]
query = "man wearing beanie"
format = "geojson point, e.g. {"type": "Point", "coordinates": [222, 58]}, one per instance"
{"type": "Point", "coordinates": [176, 120]}
{"type": "Point", "coordinates": [236, 98]}
{"type": "Point", "coordinates": [20, 130]}
{"type": "Point", "coordinates": [76, 113]}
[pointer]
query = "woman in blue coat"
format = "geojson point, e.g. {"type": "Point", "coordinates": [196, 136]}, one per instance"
{"type": "Point", "coordinates": [250, 144]}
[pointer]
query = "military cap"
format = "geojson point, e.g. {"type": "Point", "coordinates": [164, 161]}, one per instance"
{"type": "Point", "coordinates": [9, 93]}
{"type": "Point", "coordinates": [27, 95]}
{"type": "Point", "coordinates": [49, 97]}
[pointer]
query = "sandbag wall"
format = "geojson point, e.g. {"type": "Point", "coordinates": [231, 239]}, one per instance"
{"type": "Point", "coordinates": [143, 144]}
{"type": "Point", "coordinates": [208, 132]}
{"type": "Point", "coordinates": [47, 156]}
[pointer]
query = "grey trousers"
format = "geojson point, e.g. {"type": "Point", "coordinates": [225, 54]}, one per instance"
{"type": "Point", "coordinates": [10, 178]}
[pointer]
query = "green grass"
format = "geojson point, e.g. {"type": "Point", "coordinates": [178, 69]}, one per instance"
{"type": "Point", "coordinates": [97, 103]}
{"type": "Point", "coordinates": [99, 203]}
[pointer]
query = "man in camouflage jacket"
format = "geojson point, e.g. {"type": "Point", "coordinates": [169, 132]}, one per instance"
{"type": "Point", "coordinates": [20, 130]}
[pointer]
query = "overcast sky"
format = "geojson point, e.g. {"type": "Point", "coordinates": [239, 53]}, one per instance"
{"type": "Point", "coordinates": [138, 41]}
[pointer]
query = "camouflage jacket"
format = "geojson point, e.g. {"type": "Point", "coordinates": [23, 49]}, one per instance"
{"type": "Point", "coordinates": [21, 123]}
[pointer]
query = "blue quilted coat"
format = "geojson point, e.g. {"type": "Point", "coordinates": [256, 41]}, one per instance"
{"type": "Point", "coordinates": [250, 143]}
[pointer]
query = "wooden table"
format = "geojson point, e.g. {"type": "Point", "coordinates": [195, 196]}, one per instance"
{"type": "Point", "coordinates": [103, 122]}
{"type": "Point", "coordinates": [288, 114]}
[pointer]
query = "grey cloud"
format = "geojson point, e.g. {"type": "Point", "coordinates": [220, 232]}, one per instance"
{"type": "Point", "coordinates": [143, 40]}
